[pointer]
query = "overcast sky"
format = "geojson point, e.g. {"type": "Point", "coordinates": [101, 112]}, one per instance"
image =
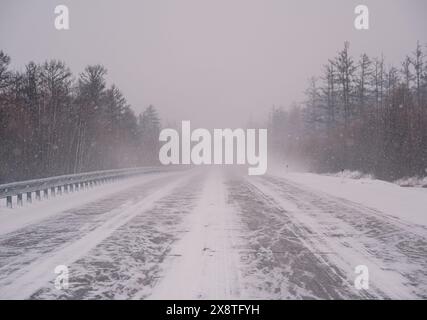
{"type": "Point", "coordinates": [216, 62]}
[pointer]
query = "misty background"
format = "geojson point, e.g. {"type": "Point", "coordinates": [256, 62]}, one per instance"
{"type": "Point", "coordinates": [217, 63]}
{"type": "Point", "coordinates": [96, 96]}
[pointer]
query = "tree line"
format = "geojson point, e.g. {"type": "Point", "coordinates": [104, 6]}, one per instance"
{"type": "Point", "coordinates": [52, 123]}
{"type": "Point", "coordinates": [360, 114]}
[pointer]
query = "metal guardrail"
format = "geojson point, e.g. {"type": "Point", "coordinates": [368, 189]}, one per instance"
{"type": "Point", "coordinates": [66, 183]}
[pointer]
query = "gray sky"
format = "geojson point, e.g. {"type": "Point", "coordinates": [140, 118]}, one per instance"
{"type": "Point", "coordinates": [216, 62]}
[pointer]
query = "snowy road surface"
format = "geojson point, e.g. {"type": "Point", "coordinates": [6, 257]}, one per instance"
{"type": "Point", "coordinates": [210, 234]}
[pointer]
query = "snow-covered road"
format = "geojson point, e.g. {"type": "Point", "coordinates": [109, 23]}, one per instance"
{"type": "Point", "coordinates": [210, 234]}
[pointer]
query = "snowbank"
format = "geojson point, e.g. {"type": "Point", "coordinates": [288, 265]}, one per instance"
{"type": "Point", "coordinates": [420, 182]}
{"type": "Point", "coordinates": [412, 182]}
{"type": "Point", "coordinates": [351, 175]}
{"type": "Point", "coordinates": [407, 204]}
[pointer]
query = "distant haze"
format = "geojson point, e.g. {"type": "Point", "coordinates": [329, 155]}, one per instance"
{"type": "Point", "coordinates": [217, 63]}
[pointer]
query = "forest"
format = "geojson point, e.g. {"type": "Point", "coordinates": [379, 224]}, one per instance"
{"type": "Point", "coordinates": [359, 114]}
{"type": "Point", "coordinates": [52, 123]}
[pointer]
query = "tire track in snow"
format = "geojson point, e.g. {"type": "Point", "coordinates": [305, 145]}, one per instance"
{"type": "Point", "coordinates": [354, 234]}
{"type": "Point", "coordinates": [277, 261]}
{"type": "Point", "coordinates": [31, 242]}
{"type": "Point", "coordinates": [205, 262]}
{"type": "Point", "coordinates": [130, 260]}
{"type": "Point", "coordinates": [27, 275]}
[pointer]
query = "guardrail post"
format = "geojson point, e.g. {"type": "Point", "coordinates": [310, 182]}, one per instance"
{"type": "Point", "coordinates": [9, 202]}
{"type": "Point", "coordinates": [29, 197]}
{"type": "Point", "coordinates": [76, 187]}
{"type": "Point", "coordinates": [45, 193]}
{"type": "Point", "coordinates": [19, 200]}
{"type": "Point", "coordinates": [52, 192]}
{"type": "Point", "coordinates": [59, 189]}
{"type": "Point", "coordinates": [38, 195]}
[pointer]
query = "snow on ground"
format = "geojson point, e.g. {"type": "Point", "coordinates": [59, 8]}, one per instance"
{"type": "Point", "coordinates": [350, 174]}
{"type": "Point", "coordinates": [204, 262]}
{"type": "Point", "coordinates": [276, 260]}
{"type": "Point", "coordinates": [217, 234]}
{"type": "Point", "coordinates": [407, 204]}
{"type": "Point", "coordinates": [126, 265]}
{"type": "Point", "coordinates": [346, 234]}
{"type": "Point", "coordinates": [412, 182]}
{"type": "Point", "coordinates": [30, 254]}
{"type": "Point", "coordinates": [18, 217]}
